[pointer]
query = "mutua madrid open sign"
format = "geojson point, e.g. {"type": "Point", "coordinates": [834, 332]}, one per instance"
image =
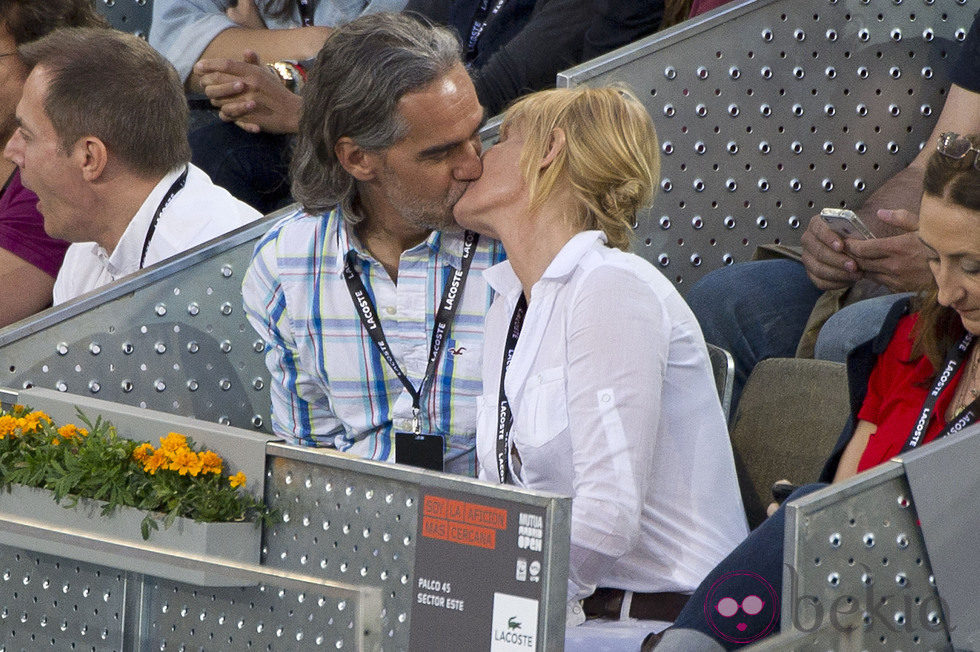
{"type": "Point", "coordinates": [479, 565]}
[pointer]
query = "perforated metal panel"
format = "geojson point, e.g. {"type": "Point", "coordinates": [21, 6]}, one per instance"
{"type": "Point", "coordinates": [132, 16]}
{"type": "Point", "coordinates": [173, 338]}
{"type": "Point", "coordinates": [768, 111]}
{"type": "Point", "coordinates": [856, 568]}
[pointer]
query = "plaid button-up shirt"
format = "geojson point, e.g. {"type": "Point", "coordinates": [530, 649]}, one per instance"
{"type": "Point", "coordinates": [329, 384]}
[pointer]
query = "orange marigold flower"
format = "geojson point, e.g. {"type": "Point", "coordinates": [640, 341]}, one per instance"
{"type": "Point", "coordinates": [173, 442]}
{"type": "Point", "coordinates": [55, 442]}
{"type": "Point", "coordinates": [210, 462]}
{"type": "Point", "coordinates": [155, 461]}
{"type": "Point", "coordinates": [143, 452]}
{"type": "Point", "coordinates": [8, 424]}
{"type": "Point", "coordinates": [69, 430]}
{"type": "Point", "coordinates": [186, 461]}
{"type": "Point", "coordinates": [237, 480]}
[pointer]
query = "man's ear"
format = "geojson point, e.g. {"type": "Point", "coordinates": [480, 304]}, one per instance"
{"type": "Point", "coordinates": [91, 156]}
{"type": "Point", "coordinates": [555, 144]}
{"type": "Point", "coordinates": [360, 163]}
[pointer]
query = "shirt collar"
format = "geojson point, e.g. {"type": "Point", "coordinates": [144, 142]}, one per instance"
{"type": "Point", "coordinates": [125, 258]}
{"type": "Point", "coordinates": [504, 281]}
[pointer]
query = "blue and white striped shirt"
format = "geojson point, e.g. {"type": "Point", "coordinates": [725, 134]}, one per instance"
{"type": "Point", "coordinates": [329, 384]}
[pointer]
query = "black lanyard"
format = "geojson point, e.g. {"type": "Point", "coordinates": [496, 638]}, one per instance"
{"type": "Point", "coordinates": [305, 12]}
{"type": "Point", "coordinates": [448, 305]}
{"type": "Point", "coordinates": [964, 418]}
{"type": "Point", "coordinates": [175, 187]}
{"type": "Point", "coordinates": [505, 417]}
{"type": "Point", "coordinates": [484, 13]}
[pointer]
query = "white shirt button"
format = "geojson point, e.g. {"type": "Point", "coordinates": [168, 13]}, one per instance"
{"type": "Point", "coordinates": [391, 310]}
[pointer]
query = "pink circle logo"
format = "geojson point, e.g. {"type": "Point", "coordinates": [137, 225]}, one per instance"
{"type": "Point", "coordinates": [742, 607]}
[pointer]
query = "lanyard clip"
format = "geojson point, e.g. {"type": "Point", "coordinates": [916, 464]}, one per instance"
{"type": "Point", "coordinates": [416, 421]}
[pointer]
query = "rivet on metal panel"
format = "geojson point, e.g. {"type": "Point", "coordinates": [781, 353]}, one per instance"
{"type": "Point", "coordinates": [835, 540]}
{"type": "Point", "coordinates": [828, 185]}
{"type": "Point", "coordinates": [734, 72]}
{"type": "Point", "coordinates": [701, 110]}
{"type": "Point", "coordinates": [258, 346]}
{"type": "Point", "coordinates": [899, 618]}
{"type": "Point", "coordinates": [159, 385]}
{"type": "Point", "coordinates": [767, 35]}
{"type": "Point", "coordinates": [697, 222]}
{"type": "Point", "coordinates": [894, 109]}
{"type": "Point", "coordinates": [798, 110]}
{"type": "Point", "coordinates": [896, 34]}
{"type": "Point", "coordinates": [901, 579]}
{"type": "Point", "coordinates": [925, 110]}
{"type": "Point", "coordinates": [160, 309]}
{"type": "Point", "coordinates": [859, 185]}
{"type": "Point", "coordinates": [867, 579]}
{"type": "Point", "coordinates": [695, 260]}
{"type": "Point", "coordinates": [727, 259]}
{"type": "Point", "coordinates": [862, 109]}
{"type": "Point", "coordinates": [766, 72]}
{"type": "Point", "coordinates": [765, 110]}
{"type": "Point", "coordinates": [933, 618]}
{"type": "Point", "coordinates": [799, 34]}
{"type": "Point", "coordinates": [225, 421]}
{"type": "Point", "coordinates": [830, 72]}
{"type": "Point", "coordinates": [258, 383]}
{"type": "Point", "coordinates": [192, 385]}
{"type": "Point", "coordinates": [833, 579]}
{"type": "Point", "coordinates": [903, 502]}
{"type": "Point", "coordinates": [729, 222]}
{"type": "Point", "coordinates": [732, 147]}
{"type": "Point", "coordinates": [864, 35]}
{"type": "Point", "coordinates": [702, 72]}
{"type": "Point", "coordinates": [94, 386]}
{"type": "Point", "coordinates": [893, 147]}
{"type": "Point", "coordinates": [160, 347]}
{"type": "Point", "coordinates": [61, 386]}
{"type": "Point", "coordinates": [699, 147]}
{"type": "Point", "coordinates": [669, 110]}
{"type": "Point", "coordinates": [829, 110]}
{"type": "Point", "coordinates": [666, 185]}
{"type": "Point", "coordinates": [226, 270]}
{"type": "Point", "coordinates": [62, 348]}
{"type": "Point", "coordinates": [126, 385]}
{"type": "Point", "coordinates": [732, 185]}
{"type": "Point", "coordinates": [127, 347]}
{"type": "Point", "coordinates": [932, 580]}
{"type": "Point", "coordinates": [960, 34]}
{"type": "Point", "coordinates": [902, 541]}
{"type": "Point", "coordinates": [94, 348]}
{"type": "Point", "coordinates": [869, 540]}
{"type": "Point", "coordinates": [698, 185]}
{"type": "Point", "coordinates": [831, 35]}
{"type": "Point", "coordinates": [862, 72]}
{"type": "Point", "coordinates": [226, 308]}
{"type": "Point", "coordinates": [927, 36]}
{"type": "Point", "coordinates": [798, 72]}
{"type": "Point", "coordinates": [763, 185]}
{"type": "Point", "coordinates": [793, 221]}
{"type": "Point", "coordinates": [670, 72]}
{"type": "Point", "coordinates": [193, 309]}
{"type": "Point", "coordinates": [927, 72]}
{"type": "Point", "coordinates": [193, 347]}
{"type": "Point", "coordinates": [257, 421]}
{"type": "Point", "coordinates": [733, 110]}
{"type": "Point", "coordinates": [668, 147]}
{"type": "Point", "coordinates": [828, 147]}
{"type": "Point", "coordinates": [224, 384]}
{"type": "Point", "coordinates": [895, 72]}
{"type": "Point", "coordinates": [860, 147]}
{"type": "Point", "coordinates": [663, 259]}
{"type": "Point", "coordinates": [225, 346]}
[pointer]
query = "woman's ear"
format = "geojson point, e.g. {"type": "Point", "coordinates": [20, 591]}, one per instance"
{"type": "Point", "coordinates": [555, 145]}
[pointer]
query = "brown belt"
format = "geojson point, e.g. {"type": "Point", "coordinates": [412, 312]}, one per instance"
{"type": "Point", "coordinates": [608, 603]}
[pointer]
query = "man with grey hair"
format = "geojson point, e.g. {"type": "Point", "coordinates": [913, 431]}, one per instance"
{"type": "Point", "coordinates": [101, 140]}
{"type": "Point", "coordinates": [370, 301]}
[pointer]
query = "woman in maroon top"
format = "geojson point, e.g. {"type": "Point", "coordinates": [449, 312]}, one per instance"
{"type": "Point", "coordinates": [29, 258]}
{"type": "Point", "coordinates": [941, 334]}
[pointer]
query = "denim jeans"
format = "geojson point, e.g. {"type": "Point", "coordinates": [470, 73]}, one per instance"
{"type": "Point", "coordinates": [252, 167]}
{"type": "Point", "coordinates": [755, 310]}
{"type": "Point", "coordinates": [854, 325]}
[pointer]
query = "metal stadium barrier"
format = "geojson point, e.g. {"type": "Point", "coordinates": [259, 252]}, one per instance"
{"type": "Point", "coordinates": [769, 110]}
{"type": "Point", "coordinates": [364, 556]}
{"type": "Point", "coordinates": [128, 15]}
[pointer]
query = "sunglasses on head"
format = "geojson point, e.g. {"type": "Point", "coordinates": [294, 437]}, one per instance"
{"type": "Point", "coordinates": [952, 145]}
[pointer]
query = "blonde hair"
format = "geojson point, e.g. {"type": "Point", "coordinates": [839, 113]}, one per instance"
{"type": "Point", "coordinates": [610, 160]}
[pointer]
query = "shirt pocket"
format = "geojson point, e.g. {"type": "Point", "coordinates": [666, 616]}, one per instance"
{"type": "Point", "coordinates": [543, 409]}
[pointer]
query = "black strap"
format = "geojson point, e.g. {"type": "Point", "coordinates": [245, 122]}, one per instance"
{"type": "Point", "coordinates": [964, 418]}
{"type": "Point", "coordinates": [505, 417]}
{"type": "Point", "coordinates": [483, 15]}
{"type": "Point", "coordinates": [448, 306]}
{"type": "Point", "coordinates": [305, 12]}
{"type": "Point", "coordinates": [175, 187]}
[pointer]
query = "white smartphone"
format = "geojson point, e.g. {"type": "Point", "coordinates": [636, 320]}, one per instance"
{"type": "Point", "coordinates": [846, 224]}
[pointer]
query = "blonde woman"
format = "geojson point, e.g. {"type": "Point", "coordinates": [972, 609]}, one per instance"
{"type": "Point", "coordinates": [596, 378]}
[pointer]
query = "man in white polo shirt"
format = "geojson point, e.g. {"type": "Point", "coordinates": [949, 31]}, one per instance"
{"type": "Point", "coordinates": [101, 139]}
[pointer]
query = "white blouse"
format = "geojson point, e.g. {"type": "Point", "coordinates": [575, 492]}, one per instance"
{"type": "Point", "coordinates": [614, 404]}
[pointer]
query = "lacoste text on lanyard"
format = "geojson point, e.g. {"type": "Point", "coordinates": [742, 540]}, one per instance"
{"type": "Point", "coordinates": [175, 187]}
{"type": "Point", "coordinates": [964, 418]}
{"type": "Point", "coordinates": [483, 15]}
{"type": "Point", "coordinates": [505, 418]}
{"type": "Point", "coordinates": [443, 320]}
